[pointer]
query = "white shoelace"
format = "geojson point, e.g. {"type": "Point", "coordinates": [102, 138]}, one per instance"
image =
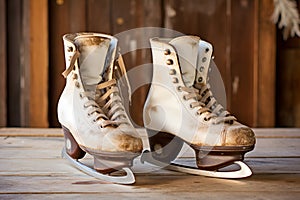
{"type": "Point", "coordinates": [105, 103]}
{"type": "Point", "coordinates": [210, 102]}
{"type": "Point", "coordinates": [204, 101]}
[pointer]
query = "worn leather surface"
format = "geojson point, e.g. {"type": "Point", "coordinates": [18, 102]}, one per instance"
{"type": "Point", "coordinates": [167, 110]}
{"type": "Point", "coordinates": [72, 110]}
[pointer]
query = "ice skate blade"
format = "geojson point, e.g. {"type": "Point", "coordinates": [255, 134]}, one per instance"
{"type": "Point", "coordinates": [126, 180]}
{"type": "Point", "coordinates": [243, 172]}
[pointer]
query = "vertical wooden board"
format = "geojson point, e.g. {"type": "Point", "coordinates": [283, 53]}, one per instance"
{"type": "Point", "coordinates": [38, 63]}
{"type": "Point", "coordinates": [98, 16]}
{"type": "Point", "coordinates": [3, 114]}
{"type": "Point", "coordinates": [266, 66]}
{"type": "Point", "coordinates": [14, 17]}
{"type": "Point", "coordinates": [25, 63]}
{"type": "Point", "coordinates": [242, 60]}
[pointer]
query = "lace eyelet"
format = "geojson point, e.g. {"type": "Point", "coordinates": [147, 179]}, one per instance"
{"type": "Point", "coordinates": [169, 62]}
{"type": "Point", "coordinates": [191, 106]}
{"type": "Point", "coordinates": [167, 52]}
{"type": "Point", "coordinates": [70, 49]}
{"type": "Point", "coordinates": [172, 72]}
{"type": "Point", "coordinates": [200, 79]}
{"type": "Point", "coordinates": [74, 76]}
{"type": "Point", "coordinates": [175, 80]}
{"type": "Point", "coordinates": [77, 84]}
{"type": "Point", "coordinates": [179, 89]}
{"type": "Point", "coordinates": [100, 127]}
{"type": "Point", "coordinates": [184, 98]}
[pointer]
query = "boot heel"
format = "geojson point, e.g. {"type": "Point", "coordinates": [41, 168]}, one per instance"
{"type": "Point", "coordinates": [72, 148]}
{"type": "Point", "coordinates": [164, 147]}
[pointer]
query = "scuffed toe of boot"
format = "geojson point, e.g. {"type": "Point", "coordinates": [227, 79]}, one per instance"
{"type": "Point", "coordinates": [240, 136]}
{"type": "Point", "coordinates": [130, 143]}
{"type": "Point", "coordinates": [122, 140]}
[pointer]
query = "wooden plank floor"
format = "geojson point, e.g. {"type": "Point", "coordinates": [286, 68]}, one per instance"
{"type": "Point", "coordinates": [31, 168]}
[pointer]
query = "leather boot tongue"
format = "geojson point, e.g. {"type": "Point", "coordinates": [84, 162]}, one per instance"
{"type": "Point", "coordinates": [93, 51]}
{"type": "Point", "coordinates": [187, 51]}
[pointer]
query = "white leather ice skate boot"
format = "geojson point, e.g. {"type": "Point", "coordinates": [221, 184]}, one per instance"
{"type": "Point", "coordinates": [180, 108]}
{"type": "Point", "coordinates": [91, 111]}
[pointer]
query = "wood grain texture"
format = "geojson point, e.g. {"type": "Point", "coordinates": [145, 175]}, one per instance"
{"type": "Point", "coordinates": [276, 195]}
{"type": "Point", "coordinates": [241, 32]}
{"type": "Point", "coordinates": [3, 93]}
{"type": "Point", "coordinates": [13, 63]}
{"type": "Point", "coordinates": [266, 68]}
{"type": "Point", "coordinates": [27, 63]}
{"type": "Point", "coordinates": [31, 168]}
{"type": "Point", "coordinates": [242, 60]}
{"type": "Point", "coordinates": [38, 104]}
{"type": "Point", "coordinates": [288, 76]}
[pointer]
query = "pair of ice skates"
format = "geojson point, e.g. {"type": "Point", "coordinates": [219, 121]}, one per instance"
{"type": "Point", "coordinates": [180, 108]}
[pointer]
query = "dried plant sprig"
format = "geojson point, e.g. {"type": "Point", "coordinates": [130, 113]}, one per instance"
{"type": "Point", "coordinates": [287, 17]}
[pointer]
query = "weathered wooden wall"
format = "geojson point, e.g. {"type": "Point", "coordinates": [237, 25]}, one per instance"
{"type": "Point", "coordinates": [237, 29]}
{"type": "Point", "coordinates": [265, 69]}
{"type": "Point", "coordinates": [27, 63]}
{"type": "Point", "coordinates": [243, 36]}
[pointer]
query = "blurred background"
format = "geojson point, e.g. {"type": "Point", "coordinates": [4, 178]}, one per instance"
{"type": "Point", "coordinates": [260, 68]}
